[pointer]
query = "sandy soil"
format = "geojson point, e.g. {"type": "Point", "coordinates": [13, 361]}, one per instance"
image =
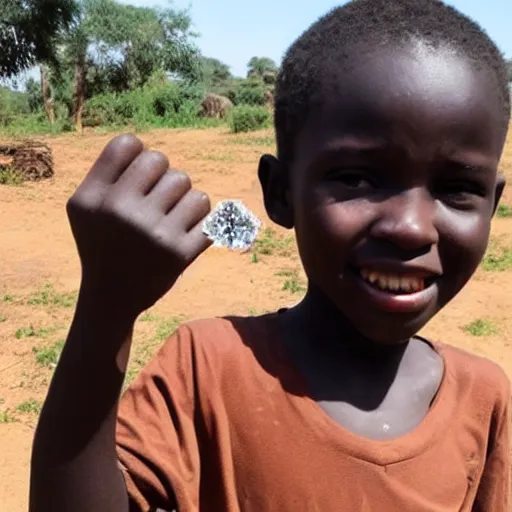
{"type": "Point", "coordinates": [40, 274]}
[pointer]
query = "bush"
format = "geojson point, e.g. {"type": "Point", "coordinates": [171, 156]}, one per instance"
{"type": "Point", "coordinates": [245, 118]}
{"type": "Point", "coordinates": [251, 94]}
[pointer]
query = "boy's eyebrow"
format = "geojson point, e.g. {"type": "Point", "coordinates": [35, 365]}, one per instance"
{"type": "Point", "coordinates": [356, 143]}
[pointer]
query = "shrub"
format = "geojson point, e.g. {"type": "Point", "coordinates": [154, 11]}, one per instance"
{"type": "Point", "coordinates": [246, 118]}
{"type": "Point", "coordinates": [251, 94]}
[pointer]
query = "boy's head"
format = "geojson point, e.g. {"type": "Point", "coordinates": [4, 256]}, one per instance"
{"type": "Point", "coordinates": [390, 118]}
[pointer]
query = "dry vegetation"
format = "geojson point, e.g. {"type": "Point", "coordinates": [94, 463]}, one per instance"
{"type": "Point", "coordinates": [40, 276]}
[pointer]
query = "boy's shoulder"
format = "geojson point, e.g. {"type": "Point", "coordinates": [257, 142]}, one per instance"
{"type": "Point", "coordinates": [234, 341]}
{"type": "Point", "coordinates": [221, 333]}
{"type": "Point", "coordinates": [477, 374]}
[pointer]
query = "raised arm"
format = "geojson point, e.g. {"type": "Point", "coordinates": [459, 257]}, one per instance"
{"type": "Point", "coordinates": [137, 227]}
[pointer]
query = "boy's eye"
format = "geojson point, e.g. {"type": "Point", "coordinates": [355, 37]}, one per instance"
{"type": "Point", "coordinates": [461, 193]}
{"type": "Point", "coordinates": [351, 179]}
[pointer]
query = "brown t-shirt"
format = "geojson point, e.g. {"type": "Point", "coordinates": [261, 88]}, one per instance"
{"type": "Point", "coordinates": [222, 420]}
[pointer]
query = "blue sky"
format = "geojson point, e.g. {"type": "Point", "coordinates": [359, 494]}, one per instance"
{"type": "Point", "coordinates": [236, 30]}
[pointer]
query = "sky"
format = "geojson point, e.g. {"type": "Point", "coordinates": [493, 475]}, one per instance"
{"type": "Point", "coordinates": [233, 31]}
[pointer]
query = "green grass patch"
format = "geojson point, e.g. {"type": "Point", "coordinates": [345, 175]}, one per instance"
{"type": "Point", "coordinates": [147, 316]}
{"type": "Point", "coordinates": [253, 141]}
{"type": "Point", "coordinates": [30, 332]}
{"type": "Point", "coordinates": [9, 176]}
{"type": "Point", "coordinates": [3, 318]}
{"type": "Point", "coordinates": [481, 327]}
{"type": "Point", "coordinates": [6, 417]}
{"type": "Point", "coordinates": [270, 243]}
{"type": "Point", "coordinates": [9, 298]}
{"type": "Point", "coordinates": [48, 296]}
{"type": "Point", "coordinates": [216, 157]}
{"type": "Point", "coordinates": [48, 356]}
{"type": "Point", "coordinates": [30, 407]}
{"type": "Point", "coordinates": [293, 282]}
{"type": "Point", "coordinates": [143, 352]}
{"type": "Point", "coordinates": [504, 211]}
{"type": "Point", "coordinates": [497, 259]}
{"type": "Point", "coordinates": [167, 327]}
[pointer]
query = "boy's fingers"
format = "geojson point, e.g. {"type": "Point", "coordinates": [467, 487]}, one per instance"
{"type": "Point", "coordinates": [117, 155]}
{"type": "Point", "coordinates": [196, 242]}
{"type": "Point", "coordinates": [142, 174]}
{"type": "Point", "coordinates": [169, 189]}
{"type": "Point", "coordinates": [192, 208]}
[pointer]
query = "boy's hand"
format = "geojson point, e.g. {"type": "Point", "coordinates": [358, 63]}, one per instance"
{"type": "Point", "coordinates": [137, 226]}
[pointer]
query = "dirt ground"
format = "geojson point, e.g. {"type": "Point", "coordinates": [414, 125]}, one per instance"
{"type": "Point", "coordinates": [40, 275]}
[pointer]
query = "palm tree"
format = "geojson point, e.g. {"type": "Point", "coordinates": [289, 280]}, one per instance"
{"type": "Point", "coordinates": [28, 29]}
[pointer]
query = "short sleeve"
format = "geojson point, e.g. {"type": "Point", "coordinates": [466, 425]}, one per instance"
{"type": "Point", "coordinates": [156, 441]}
{"type": "Point", "coordinates": [494, 490]}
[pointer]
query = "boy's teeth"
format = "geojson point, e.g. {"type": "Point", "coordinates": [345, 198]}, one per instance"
{"type": "Point", "coordinates": [395, 283]}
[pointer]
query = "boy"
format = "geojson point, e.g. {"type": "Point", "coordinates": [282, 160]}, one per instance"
{"type": "Point", "coordinates": [391, 116]}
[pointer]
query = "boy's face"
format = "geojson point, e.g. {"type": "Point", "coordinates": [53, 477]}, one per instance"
{"type": "Point", "coordinates": [393, 187]}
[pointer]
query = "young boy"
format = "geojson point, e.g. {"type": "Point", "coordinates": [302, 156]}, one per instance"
{"type": "Point", "coordinates": [391, 117]}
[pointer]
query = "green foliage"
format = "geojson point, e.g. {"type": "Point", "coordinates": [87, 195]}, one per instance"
{"type": "Point", "coordinates": [167, 327]}
{"type": "Point", "coordinates": [9, 176]}
{"type": "Point", "coordinates": [6, 417]}
{"type": "Point", "coordinates": [254, 141]}
{"type": "Point", "coordinates": [171, 105]}
{"type": "Point", "coordinates": [293, 282]}
{"type": "Point", "coordinates": [34, 95]}
{"type": "Point", "coordinates": [251, 93]}
{"type": "Point", "coordinates": [48, 356]}
{"type": "Point", "coordinates": [29, 332]}
{"type": "Point", "coordinates": [30, 407]}
{"type": "Point", "coordinates": [270, 243]}
{"type": "Point", "coordinates": [263, 68]}
{"type": "Point", "coordinates": [504, 211]}
{"type": "Point", "coordinates": [498, 259]}
{"type": "Point", "coordinates": [28, 29]}
{"type": "Point", "coordinates": [481, 327]}
{"type": "Point", "coordinates": [12, 104]}
{"type": "Point", "coordinates": [214, 73]}
{"type": "Point", "coordinates": [132, 43]}
{"type": "Point", "coordinates": [246, 118]}
{"type": "Point", "coordinates": [48, 296]}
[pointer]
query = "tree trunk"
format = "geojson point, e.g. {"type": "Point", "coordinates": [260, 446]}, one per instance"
{"type": "Point", "coordinates": [79, 99]}
{"type": "Point", "coordinates": [48, 102]}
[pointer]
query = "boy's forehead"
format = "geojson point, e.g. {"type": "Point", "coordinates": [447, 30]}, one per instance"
{"type": "Point", "coordinates": [416, 72]}
{"type": "Point", "coordinates": [420, 100]}
{"type": "Point", "coordinates": [417, 84]}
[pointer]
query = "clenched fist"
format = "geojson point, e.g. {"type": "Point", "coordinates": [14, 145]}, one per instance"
{"type": "Point", "coordinates": [137, 225]}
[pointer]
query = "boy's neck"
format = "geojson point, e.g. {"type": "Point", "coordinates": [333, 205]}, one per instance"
{"type": "Point", "coordinates": [321, 320]}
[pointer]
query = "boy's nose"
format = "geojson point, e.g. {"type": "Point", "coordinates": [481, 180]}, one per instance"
{"type": "Point", "coordinates": [407, 220]}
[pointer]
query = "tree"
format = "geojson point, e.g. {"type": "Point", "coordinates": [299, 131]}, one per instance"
{"type": "Point", "coordinates": [28, 29]}
{"type": "Point", "coordinates": [263, 68]}
{"type": "Point", "coordinates": [128, 45]}
{"type": "Point", "coordinates": [509, 67]}
{"type": "Point", "coordinates": [214, 72]}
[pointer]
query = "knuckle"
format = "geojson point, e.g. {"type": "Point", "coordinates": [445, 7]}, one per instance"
{"type": "Point", "coordinates": [125, 140]}
{"type": "Point", "coordinates": [183, 178]}
{"type": "Point", "coordinates": [156, 157]}
{"type": "Point", "coordinates": [201, 200]}
{"type": "Point", "coordinates": [81, 200]}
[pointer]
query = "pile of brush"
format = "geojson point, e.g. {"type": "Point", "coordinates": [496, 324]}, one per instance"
{"type": "Point", "coordinates": [28, 160]}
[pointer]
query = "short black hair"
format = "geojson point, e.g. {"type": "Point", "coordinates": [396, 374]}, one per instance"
{"type": "Point", "coordinates": [367, 24]}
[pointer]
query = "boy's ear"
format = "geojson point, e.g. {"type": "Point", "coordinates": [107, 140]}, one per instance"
{"type": "Point", "coordinates": [500, 185]}
{"type": "Point", "coordinates": [276, 191]}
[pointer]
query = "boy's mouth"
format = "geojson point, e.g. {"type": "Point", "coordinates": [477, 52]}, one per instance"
{"type": "Point", "coordinates": [395, 284]}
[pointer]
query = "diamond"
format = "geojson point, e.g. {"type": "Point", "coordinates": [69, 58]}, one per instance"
{"type": "Point", "coordinates": [231, 224]}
